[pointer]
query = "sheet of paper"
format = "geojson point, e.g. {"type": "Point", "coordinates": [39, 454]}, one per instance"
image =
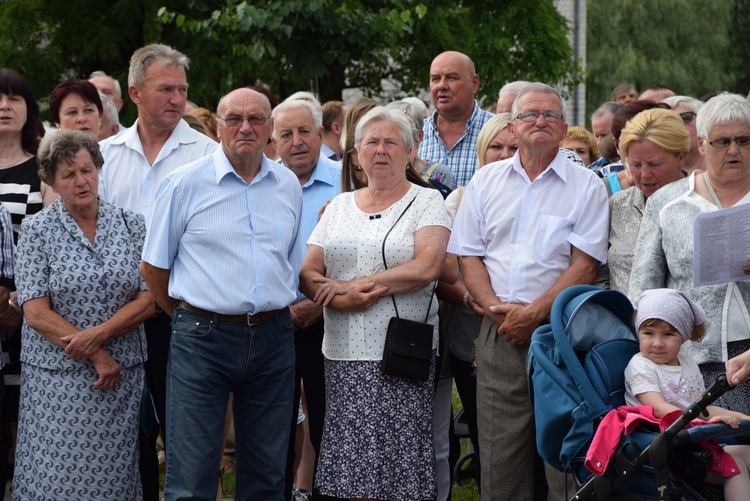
{"type": "Point", "coordinates": [721, 245]}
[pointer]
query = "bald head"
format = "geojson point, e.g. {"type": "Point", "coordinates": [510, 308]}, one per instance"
{"type": "Point", "coordinates": [249, 137]}
{"type": "Point", "coordinates": [453, 84]}
{"type": "Point", "coordinates": [245, 94]}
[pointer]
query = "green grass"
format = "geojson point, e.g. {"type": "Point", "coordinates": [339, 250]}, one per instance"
{"type": "Point", "coordinates": [465, 491]}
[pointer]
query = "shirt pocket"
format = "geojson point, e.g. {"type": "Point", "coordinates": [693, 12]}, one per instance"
{"type": "Point", "coordinates": [552, 237]}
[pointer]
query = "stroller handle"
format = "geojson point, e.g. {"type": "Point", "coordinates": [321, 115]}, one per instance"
{"type": "Point", "coordinates": [658, 452]}
{"type": "Point", "coordinates": [717, 389]}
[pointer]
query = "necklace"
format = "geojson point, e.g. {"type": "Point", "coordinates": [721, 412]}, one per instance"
{"type": "Point", "coordinates": [14, 162]}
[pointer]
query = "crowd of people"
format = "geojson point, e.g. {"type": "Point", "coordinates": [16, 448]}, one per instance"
{"type": "Point", "coordinates": [218, 281]}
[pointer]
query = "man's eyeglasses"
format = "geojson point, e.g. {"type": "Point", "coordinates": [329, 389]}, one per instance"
{"type": "Point", "coordinates": [724, 142]}
{"type": "Point", "coordinates": [236, 120]}
{"type": "Point", "coordinates": [549, 116]}
{"type": "Point", "coordinates": [687, 116]}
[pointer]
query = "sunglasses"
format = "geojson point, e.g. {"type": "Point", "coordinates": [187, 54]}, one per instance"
{"type": "Point", "coordinates": [724, 142]}
{"type": "Point", "coordinates": [687, 116]}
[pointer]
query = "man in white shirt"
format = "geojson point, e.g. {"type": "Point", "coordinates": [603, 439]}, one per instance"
{"type": "Point", "coordinates": [527, 228]}
{"type": "Point", "coordinates": [135, 162]}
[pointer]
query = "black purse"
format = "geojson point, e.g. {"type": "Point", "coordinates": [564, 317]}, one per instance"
{"type": "Point", "coordinates": [408, 344]}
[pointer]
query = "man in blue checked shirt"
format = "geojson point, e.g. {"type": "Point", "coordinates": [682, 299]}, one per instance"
{"type": "Point", "coordinates": [450, 134]}
{"type": "Point", "coordinates": [222, 258]}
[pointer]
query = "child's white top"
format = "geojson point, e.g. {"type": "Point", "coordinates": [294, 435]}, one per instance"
{"type": "Point", "coordinates": [680, 385]}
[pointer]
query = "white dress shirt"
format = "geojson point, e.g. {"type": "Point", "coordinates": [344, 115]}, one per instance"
{"type": "Point", "coordinates": [525, 230]}
{"type": "Point", "coordinates": [127, 180]}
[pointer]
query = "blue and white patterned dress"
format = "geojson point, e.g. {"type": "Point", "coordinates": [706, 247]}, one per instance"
{"type": "Point", "coordinates": [75, 441]}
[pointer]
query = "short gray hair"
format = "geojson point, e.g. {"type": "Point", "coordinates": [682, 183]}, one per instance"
{"type": "Point", "coordinates": [608, 108]}
{"type": "Point", "coordinates": [110, 110]}
{"type": "Point", "coordinates": [418, 105]}
{"type": "Point", "coordinates": [537, 87]}
{"type": "Point", "coordinates": [304, 95]}
{"type": "Point", "coordinates": [726, 108]}
{"type": "Point", "coordinates": [417, 121]}
{"type": "Point", "coordinates": [296, 104]}
{"type": "Point", "coordinates": [115, 82]}
{"type": "Point", "coordinates": [382, 114]}
{"type": "Point", "coordinates": [691, 103]}
{"type": "Point", "coordinates": [64, 145]}
{"type": "Point", "coordinates": [512, 88]}
{"type": "Point", "coordinates": [143, 57]}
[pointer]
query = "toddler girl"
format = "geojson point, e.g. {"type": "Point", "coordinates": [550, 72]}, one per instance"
{"type": "Point", "coordinates": [662, 377]}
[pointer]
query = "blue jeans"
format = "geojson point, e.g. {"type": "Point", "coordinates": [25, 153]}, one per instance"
{"type": "Point", "coordinates": [208, 359]}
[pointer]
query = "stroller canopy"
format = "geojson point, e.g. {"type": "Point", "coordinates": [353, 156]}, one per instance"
{"type": "Point", "coordinates": [576, 367]}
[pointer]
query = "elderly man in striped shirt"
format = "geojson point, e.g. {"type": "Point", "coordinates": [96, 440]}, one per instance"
{"type": "Point", "coordinates": [222, 258]}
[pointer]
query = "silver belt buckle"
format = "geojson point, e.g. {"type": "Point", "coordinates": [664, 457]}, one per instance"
{"type": "Point", "coordinates": [250, 322]}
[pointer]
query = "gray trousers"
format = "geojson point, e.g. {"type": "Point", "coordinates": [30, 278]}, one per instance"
{"type": "Point", "coordinates": [505, 419]}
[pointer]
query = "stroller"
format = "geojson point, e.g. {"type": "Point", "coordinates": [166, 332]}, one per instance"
{"type": "Point", "coordinates": [576, 367]}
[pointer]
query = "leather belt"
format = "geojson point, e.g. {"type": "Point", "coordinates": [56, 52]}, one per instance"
{"type": "Point", "coordinates": [246, 319]}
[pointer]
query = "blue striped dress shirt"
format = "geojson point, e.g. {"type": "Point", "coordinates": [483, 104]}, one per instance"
{"type": "Point", "coordinates": [462, 158]}
{"type": "Point", "coordinates": [6, 250]}
{"type": "Point", "coordinates": [231, 246]}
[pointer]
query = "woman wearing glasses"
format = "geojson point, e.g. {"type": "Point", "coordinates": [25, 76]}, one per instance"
{"type": "Point", "coordinates": [687, 107]}
{"type": "Point", "coordinates": [664, 253]}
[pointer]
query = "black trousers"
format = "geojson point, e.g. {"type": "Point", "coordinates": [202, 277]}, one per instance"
{"type": "Point", "coordinates": [309, 369]}
{"type": "Point", "coordinates": [158, 334]}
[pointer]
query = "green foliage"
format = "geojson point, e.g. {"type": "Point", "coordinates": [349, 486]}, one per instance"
{"type": "Point", "coordinates": [684, 44]}
{"type": "Point", "coordinates": [288, 45]}
{"type": "Point", "coordinates": [327, 45]}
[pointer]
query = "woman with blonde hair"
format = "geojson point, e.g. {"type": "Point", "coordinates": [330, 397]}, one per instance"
{"type": "Point", "coordinates": [654, 145]}
{"type": "Point", "coordinates": [582, 143]}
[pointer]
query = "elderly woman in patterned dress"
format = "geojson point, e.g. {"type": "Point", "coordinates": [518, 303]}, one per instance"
{"type": "Point", "coordinates": [82, 358]}
{"type": "Point", "coordinates": [377, 437]}
{"type": "Point", "coordinates": [664, 252]}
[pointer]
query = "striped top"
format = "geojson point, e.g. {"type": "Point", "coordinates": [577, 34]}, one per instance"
{"type": "Point", "coordinates": [21, 191]}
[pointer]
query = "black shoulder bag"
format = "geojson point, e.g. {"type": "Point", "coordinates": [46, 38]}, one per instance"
{"type": "Point", "coordinates": [408, 344]}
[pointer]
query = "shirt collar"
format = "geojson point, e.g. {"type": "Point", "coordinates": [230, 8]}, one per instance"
{"type": "Point", "coordinates": [473, 116]}
{"type": "Point", "coordinates": [223, 167]}
{"type": "Point", "coordinates": [557, 166]}
{"type": "Point", "coordinates": [322, 173]}
{"type": "Point", "coordinates": [181, 134]}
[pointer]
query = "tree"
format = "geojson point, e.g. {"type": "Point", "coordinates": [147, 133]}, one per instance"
{"type": "Point", "coordinates": [289, 45]}
{"type": "Point", "coordinates": [684, 44]}
{"type": "Point", "coordinates": [48, 41]}
{"type": "Point", "coordinates": [329, 45]}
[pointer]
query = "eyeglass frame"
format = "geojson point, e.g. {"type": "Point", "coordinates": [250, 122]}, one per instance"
{"type": "Point", "coordinates": [536, 114]}
{"type": "Point", "coordinates": [253, 120]}
{"type": "Point", "coordinates": [744, 139]}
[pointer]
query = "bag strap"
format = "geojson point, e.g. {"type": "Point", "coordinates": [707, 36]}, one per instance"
{"type": "Point", "coordinates": [385, 264]}
{"type": "Point", "coordinates": [711, 190]}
